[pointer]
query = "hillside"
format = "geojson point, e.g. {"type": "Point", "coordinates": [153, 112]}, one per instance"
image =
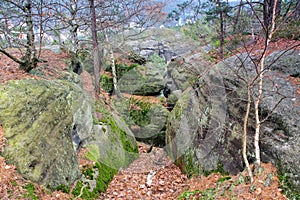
{"type": "Point", "coordinates": [153, 175]}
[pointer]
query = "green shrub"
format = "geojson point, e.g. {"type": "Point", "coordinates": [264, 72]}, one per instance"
{"type": "Point", "coordinates": [30, 192]}
{"type": "Point", "coordinates": [288, 189]}
{"type": "Point", "coordinates": [102, 181]}
{"type": "Point", "coordinates": [140, 112]}
{"type": "Point", "coordinates": [106, 83]}
{"type": "Point", "coordinates": [188, 194]}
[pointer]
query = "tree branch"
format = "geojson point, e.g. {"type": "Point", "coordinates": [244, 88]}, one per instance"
{"type": "Point", "coordinates": [19, 61]}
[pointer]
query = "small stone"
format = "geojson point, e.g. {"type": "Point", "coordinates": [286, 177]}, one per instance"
{"type": "Point", "coordinates": [260, 181]}
{"type": "Point", "coordinates": [258, 191]}
{"type": "Point", "coordinates": [7, 167]}
{"type": "Point", "coordinates": [161, 182]}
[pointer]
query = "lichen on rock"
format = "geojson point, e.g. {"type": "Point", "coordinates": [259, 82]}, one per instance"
{"type": "Point", "coordinates": [37, 118]}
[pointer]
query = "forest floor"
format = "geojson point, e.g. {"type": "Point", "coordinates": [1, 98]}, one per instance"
{"type": "Point", "coordinates": [153, 175]}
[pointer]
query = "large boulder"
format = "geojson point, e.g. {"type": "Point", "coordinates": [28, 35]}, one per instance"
{"type": "Point", "coordinates": [196, 134]}
{"type": "Point", "coordinates": [46, 122]}
{"type": "Point", "coordinates": [163, 42]}
{"type": "Point", "coordinates": [37, 117]}
{"type": "Point", "coordinates": [146, 120]}
{"type": "Point", "coordinates": [279, 137]}
{"type": "Point", "coordinates": [150, 81]}
{"type": "Point", "coordinates": [182, 73]}
{"type": "Point", "coordinates": [115, 143]}
{"type": "Point", "coordinates": [205, 127]}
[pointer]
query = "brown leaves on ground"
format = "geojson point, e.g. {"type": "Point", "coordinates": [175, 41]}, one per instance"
{"type": "Point", "coordinates": [52, 67]}
{"type": "Point", "coordinates": [152, 176]}
{"type": "Point", "coordinates": [266, 185]}
{"type": "Point", "coordinates": [167, 181]}
{"type": "Point", "coordinates": [258, 46]}
{"type": "Point", "coordinates": [9, 70]}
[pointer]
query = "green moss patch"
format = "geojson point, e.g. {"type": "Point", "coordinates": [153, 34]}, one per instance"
{"type": "Point", "coordinates": [101, 174]}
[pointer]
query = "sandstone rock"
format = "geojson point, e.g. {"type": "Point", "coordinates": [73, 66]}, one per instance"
{"type": "Point", "coordinates": [205, 126]}
{"type": "Point", "coordinates": [163, 42]}
{"type": "Point", "coordinates": [147, 122]}
{"type": "Point", "coordinates": [150, 83]}
{"type": "Point", "coordinates": [45, 123]}
{"type": "Point", "coordinates": [37, 117]}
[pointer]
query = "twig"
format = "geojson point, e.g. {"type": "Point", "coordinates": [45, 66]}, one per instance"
{"type": "Point", "coordinates": [81, 191]}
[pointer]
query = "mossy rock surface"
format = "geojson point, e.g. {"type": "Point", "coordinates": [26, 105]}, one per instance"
{"type": "Point", "coordinates": [146, 120]}
{"type": "Point", "coordinates": [111, 146]}
{"type": "Point", "coordinates": [206, 125]}
{"type": "Point", "coordinates": [37, 116]}
{"type": "Point", "coordinates": [115, 141]}
{"type": "Point", "coordinates": [144, 80]}
{"type": "Point", "coordinates": [46, 121]}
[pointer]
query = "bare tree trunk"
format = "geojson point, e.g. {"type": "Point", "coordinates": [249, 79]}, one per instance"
{"type": "Point", "coordinates": [236, 19]}
{"type": "Point", "coordinates": [244, 152]}
{"type": "Point", "coordinates": [74, 27]}
{"type": "Point", "coordinates": [221, 33]}
{"type": "Point", "coordinates": [266, 14]}
{"type": "Point", "coordinates": [260, 88]}
{"type": "Point", "coordinates": [268, 7]}
{"type": "Point", "coordinates": [95, 48]}
{"type": "Point", "coordinates": [30, 55]}
{"type": "Point", "coordinates": [113, 67]}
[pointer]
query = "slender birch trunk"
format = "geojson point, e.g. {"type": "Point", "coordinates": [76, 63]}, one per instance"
{"type": "Point", "coordinates": [113, 67]}
{"type": "Point", "coordinates": [246, 118]}
{"type": "Point", "coordinates": [260, 89]}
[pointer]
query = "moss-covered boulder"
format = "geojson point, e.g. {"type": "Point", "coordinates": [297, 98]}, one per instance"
{"type": "Point", "coordinates": [205, 127]}
{"type": "Point", "coordinates": [38, 117]}
{"type": "Point", "coordinates": [146, 120]}
{"type": "Point", "coordinates": [197, 137]}
{"type": "Point", "coordinates": [112, 146]}
{"type": "Point", "coordinates": [144, 80]}
{"type": "Point", "coordinates": [182, 73]}
{"type": "Point", "coordinates": [115, 142]}
{"type": "Point", "coordinates": [46, 122]}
